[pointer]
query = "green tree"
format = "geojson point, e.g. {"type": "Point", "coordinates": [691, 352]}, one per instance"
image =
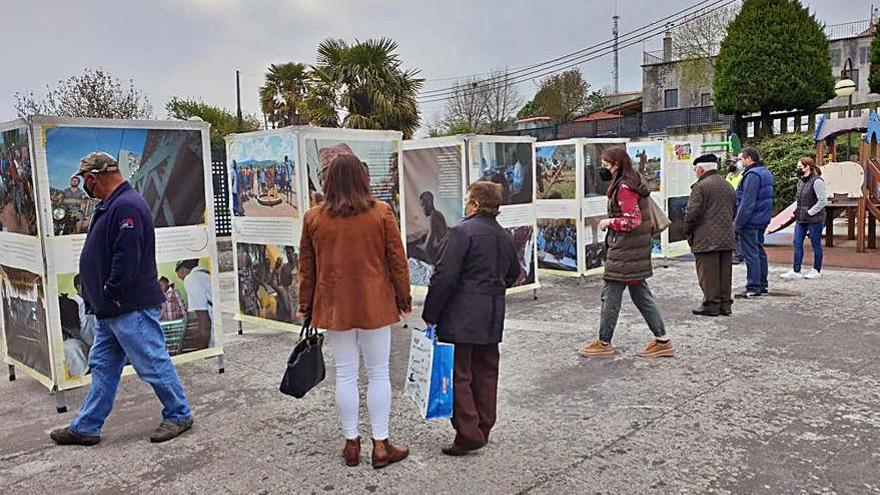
{"type": "Point", "coordinates": [94, 93]}
{"type": "Point", "coordinates": [780, 154]}
{"type": "Point", "coordinates": [775, 57]}
{"type": "Point", "coordinates": [564, 96]}
{"type": "Point", "coordinates": [874, 74]}
{"type": "Point", "coordinates": [529, 110]}
{"type": "Point", "coordinates": [222, 121]}
{"type": "Point", "coordinates": [283, 94]}
{"type": "Point", "coordinates": [366, 84]}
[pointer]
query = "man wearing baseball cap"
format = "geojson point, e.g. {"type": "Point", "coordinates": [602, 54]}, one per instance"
{"type": "Point", "coordinates": [120, 287]}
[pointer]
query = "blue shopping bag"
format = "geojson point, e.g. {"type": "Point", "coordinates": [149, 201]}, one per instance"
{"type": "Point", "coordinates": [429, 374]}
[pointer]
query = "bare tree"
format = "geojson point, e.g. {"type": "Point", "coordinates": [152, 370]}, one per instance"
{"type": "Point", "coordinates": [481, 104]}
{"type": "Point", "coordinates": [94, 93]}
{"type": "Point", "coordinates": [501, 100]}
{"type": "Point", "coordinates": [696, 42]}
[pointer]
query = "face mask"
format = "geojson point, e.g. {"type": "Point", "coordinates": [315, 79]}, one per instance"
{"type": "Point", "coordinates": [88, 190]}
{"type": "Point", "coordinates": [605, 174]}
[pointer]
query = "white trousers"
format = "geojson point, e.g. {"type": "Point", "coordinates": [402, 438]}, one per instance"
{"type": "Point", "coordinates": [375, 345]}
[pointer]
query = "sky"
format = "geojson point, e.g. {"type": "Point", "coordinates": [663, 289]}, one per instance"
{"type": "Point", "coordinates": [192, 48]}
{"type": "Point", "coordinates": [65, 147]}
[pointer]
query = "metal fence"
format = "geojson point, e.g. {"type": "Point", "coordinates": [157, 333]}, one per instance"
{"type": "Point", "coordinates": [682, 120]}
{"type": "Point", "coordinates": [222, 216]}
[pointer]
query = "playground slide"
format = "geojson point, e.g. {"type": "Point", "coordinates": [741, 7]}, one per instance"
{"type": "Point", "coordinates": [782, 220]}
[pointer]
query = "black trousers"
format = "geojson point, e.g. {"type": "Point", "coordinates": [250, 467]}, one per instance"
{"type": "Point", "coordinates": [714, 270]}
{"type": "Point", "coordinates": [475, 390]}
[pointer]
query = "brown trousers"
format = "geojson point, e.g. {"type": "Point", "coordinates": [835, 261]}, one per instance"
{"type": "Point", "coordinates": [714, 270]}
{"type": "Point", "coordinates": [475, 389]}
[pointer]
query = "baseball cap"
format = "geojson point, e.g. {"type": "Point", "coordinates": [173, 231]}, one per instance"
{"type": "Point", "coordinates": [97, 162]}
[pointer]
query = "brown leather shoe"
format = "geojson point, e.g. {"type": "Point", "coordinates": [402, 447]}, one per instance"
{"type": "Point", "coordinates": [457, 450]}
{"type": "Point", "coordinates": [384, 453]}
{"type": "Point", "coordinates": [352, 452]}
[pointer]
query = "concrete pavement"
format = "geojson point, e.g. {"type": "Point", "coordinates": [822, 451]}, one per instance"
{"type": "Point", "coordinates": [781, 398]}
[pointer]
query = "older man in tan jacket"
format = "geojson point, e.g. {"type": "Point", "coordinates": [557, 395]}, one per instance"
{"type": "Point", "coordinates": [708, 224]}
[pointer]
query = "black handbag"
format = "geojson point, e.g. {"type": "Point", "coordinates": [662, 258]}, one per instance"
{"type": "Point", "coordinates": [305, 365]}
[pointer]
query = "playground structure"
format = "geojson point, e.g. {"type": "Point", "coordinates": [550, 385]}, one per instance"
{"type": "Point", "coordinates": [853, 187]}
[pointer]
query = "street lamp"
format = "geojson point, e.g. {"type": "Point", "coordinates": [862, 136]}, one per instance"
{"type": "Point", "coordinates": [845, 87]}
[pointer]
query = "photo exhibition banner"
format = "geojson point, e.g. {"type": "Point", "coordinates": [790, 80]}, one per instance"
{"type": "Point", "coordinates": [168, 163]}
{"type": "Point", "coordinates": [558, 194]}
{"type": "Point", "coordinates": [678, 177]}
{"type": "Point", "coordinates": [648, 158]}
{"type": "Point", "coordinates": [434, 190]}
{"type": "Point", "coordinates": [594, 201]}
{"type": "Point", "coordinates": [510, 162]}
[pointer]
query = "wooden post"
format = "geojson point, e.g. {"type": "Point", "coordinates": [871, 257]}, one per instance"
{"type": "Point", "coordinates": [820, 153]}
{"type": "Point", "coordinates": [829, 230]}
{"type": "Point", "coordinates": [860, 222]}
{"type": "Point", "coordinates": [851, 222]}
{"type": "Point", "coordinates": [872, 232]}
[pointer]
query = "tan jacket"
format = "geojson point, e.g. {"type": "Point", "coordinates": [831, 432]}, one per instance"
{"type": "Point", "coordinates": [356, 269]}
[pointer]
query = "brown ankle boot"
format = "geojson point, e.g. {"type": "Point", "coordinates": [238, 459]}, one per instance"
{"type": "Point", "coordinates": [384, 453]}
{"type": "Point", "coordinates": [352, 452]}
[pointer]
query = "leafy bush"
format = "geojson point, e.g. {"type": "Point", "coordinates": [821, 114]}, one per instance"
{"type": "Point", "coordinates": [780, 155]}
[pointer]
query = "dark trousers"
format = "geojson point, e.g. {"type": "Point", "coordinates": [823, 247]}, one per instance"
{"type": "Point", "coordinates": [751, 245]}
{"type": "Point", "coordinates": [612, 297]}
{"type": "Point", "coordinates": [714, 271]}
{"type": "Point", "coordinates": [475, 389]}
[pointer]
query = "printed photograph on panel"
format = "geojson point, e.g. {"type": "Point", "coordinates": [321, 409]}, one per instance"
{"type": "Point", "coordinates": [24, 318]}
{"type": "Point", "coordinates": [508, 164]}
{"type": "Point", "coordinates": [523, 239]}
{"type": "Point", "coordinates": [18, 211]}
{"type": "Point", "coordinates": [379, 158]}
{"type": "Point", "coordinates": [557, 244]}
{"type": "Point", "coordinates": [434, 203]}
{"type": "Point", "coordinates": [186, 315]}
{"type": "Point", "coordinates": [675, 209]}
{"type": "Point", "coordinates": [165, 166]}
{"type": "Point", "coordinates": [555, 168]}
{"type": "Point", "coordinates": [263, 174]}
{"type": "Point", "coordinates": [646, 158]}
{"type": "Point", "coordinates": [268, 281]}
{"type": "Point", "coordinates": [595, 250]}
{"type": "Point", "coordinates": [594, 185]}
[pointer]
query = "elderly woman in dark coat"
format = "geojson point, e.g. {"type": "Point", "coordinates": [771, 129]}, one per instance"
{"type": "Point", "coordinates": [465, 300]}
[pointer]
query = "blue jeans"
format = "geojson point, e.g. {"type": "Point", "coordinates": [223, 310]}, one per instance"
{"type": "Point", "coordinates": [138, 336]}
{"type": "Point", "coordinates": [751, 247]}
{"type": "Point", "coordinates": [801, 231]}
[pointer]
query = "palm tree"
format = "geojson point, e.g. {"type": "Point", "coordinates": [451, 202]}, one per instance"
{"type": "Point", "coordinates": [365, 83]}
{"type": "Point", "coordinates": [283, 94]}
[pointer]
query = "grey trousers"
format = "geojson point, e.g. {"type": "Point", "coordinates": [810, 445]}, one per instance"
{"type": "Point", "coordinates": [612, 296]}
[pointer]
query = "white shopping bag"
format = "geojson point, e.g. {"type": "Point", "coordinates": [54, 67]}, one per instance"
{"type": "Point", "coordinates": [429, 374]}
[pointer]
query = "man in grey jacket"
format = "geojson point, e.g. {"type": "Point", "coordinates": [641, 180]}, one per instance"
{"type": "Point", "coordinates": [708, 224]}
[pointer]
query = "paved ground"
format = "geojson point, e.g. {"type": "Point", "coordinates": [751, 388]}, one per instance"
{"type": "Point", "coordinates": [781, 398]}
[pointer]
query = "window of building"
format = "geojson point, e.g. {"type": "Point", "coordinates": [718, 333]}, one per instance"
{"type": "Point", "coordinates": [670, 98]}
{"type": "Point", "coordinates": [705, 99]}
{"type": "Point", "coordinates": [835, 57]}
{"type": "Point", "coordinates": [863, 55]}
{"type": "Point", "coordinates": [854, 75]}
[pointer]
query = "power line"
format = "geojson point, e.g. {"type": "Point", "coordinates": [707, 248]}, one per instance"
{"type": "Point", "coordinates": [680, 15]}
{"type": "Point", "coordinates": [571, 62]}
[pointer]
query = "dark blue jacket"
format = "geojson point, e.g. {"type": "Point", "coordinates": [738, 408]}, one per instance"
{"type": "Point", "coordinates": [754, 199]}
{"type": "Point", "coordinates": [118, 261]}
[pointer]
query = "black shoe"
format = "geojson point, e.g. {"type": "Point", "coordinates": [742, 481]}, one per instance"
{"type": "Point", "coordinates": [705, 312]}
{"type": "Point", "coordinates": [748, 295]}
{"type": "Point", "coordinates": [456, 450]}
{"type": "Point", "coordinates": [66, 436]}
{"type": "Point", "coordinates": [167, 430]}
{"type": "Point", "coordinates": [726, 312]}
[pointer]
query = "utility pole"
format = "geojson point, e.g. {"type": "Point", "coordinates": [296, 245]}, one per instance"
{"type": "Point", "coordinates": [239, 123]}
{"type": "Point", "coordinates": [615, 32]}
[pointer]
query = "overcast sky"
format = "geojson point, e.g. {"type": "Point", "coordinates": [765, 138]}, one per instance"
{"type": "Point", "coordinates": [191, 48]}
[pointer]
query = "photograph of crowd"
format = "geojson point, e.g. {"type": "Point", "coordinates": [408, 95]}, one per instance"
{"type": "Point", "coordinates": [593, 183]}
{"type": "Point", "coordinates": [17, 209]}
{"type": "Point", "coordinates": [268, 282]}
{"type": "Point", "coordinates": [263, 175]}
{"type": "Point", "coordinates": [555, 168]}
{"type": "Point", "coordinates": [557, 244]}
{"type": "Point", "coordinates": [165, 165]}
{"type": "Point", "coordinates": [508, 164]}
{"type": "Point", "coordinates": [646, 159]}
{"type": "Point", "coordinates": [380, 158]}
{"type": "Point", "coordinates": [594, 244]}
{"type": "Point", "coordinates": [675, 210]}
{"type": "Point", "coordinates": [524, 240]}
{"type": "Point", "coordinates": [433, 204]}
{"type": "Point", "coordinates": [186, 315]}
{"type": "Point", "coordinates": [24, 318]}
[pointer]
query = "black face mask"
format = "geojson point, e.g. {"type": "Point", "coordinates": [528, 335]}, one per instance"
{"type": "Point", "coordinates": [605, 174]}
{"type": "Point", "coordinates": [90, 192]}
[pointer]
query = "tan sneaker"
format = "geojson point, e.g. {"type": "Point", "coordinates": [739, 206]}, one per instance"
{"type": "Point", "coordinates": [657, 349]}
{"type": "Point", "coordinates": [597, 348]}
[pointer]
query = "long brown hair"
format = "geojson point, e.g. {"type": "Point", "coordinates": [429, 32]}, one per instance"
{"type": "Point", "coordinates": [809, 162]}
{"type": "Point", "coordinates": [618, 156]}
{"type": "Point", "coordinates": [346, 187]}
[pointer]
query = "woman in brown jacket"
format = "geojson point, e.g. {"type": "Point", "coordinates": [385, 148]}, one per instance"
{"type": "Point", "coordinates": [354, 282]}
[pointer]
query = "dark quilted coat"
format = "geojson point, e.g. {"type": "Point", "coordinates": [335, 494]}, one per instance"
{"type": "Point", "coordinates": [708, 218]}
{"type": "Point", "coordinates": [629, 253]}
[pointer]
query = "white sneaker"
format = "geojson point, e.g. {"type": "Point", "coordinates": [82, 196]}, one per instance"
{"type": "Point", "coordinates": [791, 275]}
{"type": "Point", "coordinates": [813, 274]}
